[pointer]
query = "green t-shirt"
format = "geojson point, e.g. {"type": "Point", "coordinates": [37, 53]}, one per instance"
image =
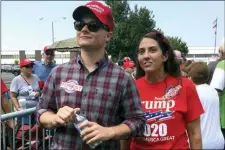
{"type": "Point", "coordinates": [218, 82]}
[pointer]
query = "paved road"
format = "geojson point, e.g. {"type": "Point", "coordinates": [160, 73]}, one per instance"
{"type": "Point", "coordinates": [7, 77]}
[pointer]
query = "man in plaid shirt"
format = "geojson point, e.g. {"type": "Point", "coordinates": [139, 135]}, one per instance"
{"type": "Point", "coordinates": [103, 92]}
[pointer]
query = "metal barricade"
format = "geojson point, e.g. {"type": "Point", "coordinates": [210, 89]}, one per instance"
{"type": "Point", "coordinates": [28, 142]}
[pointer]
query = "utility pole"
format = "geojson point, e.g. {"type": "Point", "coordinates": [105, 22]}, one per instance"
{"type": "Point", "coordinates": [215, 28]}
{"type": "Point", "coordinates": [53, 30]}
{"type": "Point", "coordinates": [53, 38]}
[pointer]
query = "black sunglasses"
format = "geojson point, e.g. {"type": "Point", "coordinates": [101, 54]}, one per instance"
{"type": "Point", "coordinates": [49, 53]}
{"type": "Point", "coordinates": [28, 66]}
{"type": "Point", "coordinates": [92, 26]}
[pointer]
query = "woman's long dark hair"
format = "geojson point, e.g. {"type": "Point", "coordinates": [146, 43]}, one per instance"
{"type": "Point", "coordinates": [170, 66]}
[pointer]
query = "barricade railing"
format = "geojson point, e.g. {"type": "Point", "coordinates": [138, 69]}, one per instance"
{"type": "Point", "coordinates": [25, 142]}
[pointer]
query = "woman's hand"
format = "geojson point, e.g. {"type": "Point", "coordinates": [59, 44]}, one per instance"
{"type": "Point", "coordinates": [37, 94]}
{"type": "Point", "coordinates": [18, 108]}
{"type": "Point", "coordinates": [9, 123]}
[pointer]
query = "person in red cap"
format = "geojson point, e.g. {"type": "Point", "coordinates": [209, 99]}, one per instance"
{"type": "Point", "coordinates": [4, 102]}
{"type": "Point", "coordinates": [25, 86]}
{"type": "Point", "coordinates": [25, 90]}
{"type": "Point", "coordinates": [43, 68]}
{"type": "Point", "coordinates": [5, 108]}
{"type": "Point", "coordinates": [92, 84]}
{"type": "Point", "coordinates": [129, 66]}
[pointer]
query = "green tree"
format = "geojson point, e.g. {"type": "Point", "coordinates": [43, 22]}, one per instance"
{"type": "Point", "coordinates": [178, 44]}
{"type": "Point", "coordinates": [160, 30]}
{"type": "Point", "coordinates": [16, 62]}
{"type": "Point", "coordinates": [131, 25]}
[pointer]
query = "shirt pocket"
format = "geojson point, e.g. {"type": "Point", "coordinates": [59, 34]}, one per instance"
{"type": "Point", "coordinates": [109, 96]}
{"type": "Point", "coordinates": [106, 102]}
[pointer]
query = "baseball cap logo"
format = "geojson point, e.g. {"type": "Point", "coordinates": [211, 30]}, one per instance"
{"type": "Point", "coordinates": [101, 11]}
{"type": "Point", "coordinates": [96, 8]}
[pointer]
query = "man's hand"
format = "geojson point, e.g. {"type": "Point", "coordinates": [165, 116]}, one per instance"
{"type": "Point", "coordinates": [64, 115]}
{"type": "Point", "coordinates": [93, 132]}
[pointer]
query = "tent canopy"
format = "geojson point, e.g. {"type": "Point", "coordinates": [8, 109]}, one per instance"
{"type": "Point", "coordinates": [68, 45]}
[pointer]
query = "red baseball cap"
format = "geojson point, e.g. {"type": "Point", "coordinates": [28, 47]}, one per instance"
{"type": "Point", "coordinates": [24, 62]}
{"type": "Point", "coordinates": [102, 12]}
{"type": "Point", "coordinates": [46, 48]}
{"type": "Point", "coordinates": [128, 64]}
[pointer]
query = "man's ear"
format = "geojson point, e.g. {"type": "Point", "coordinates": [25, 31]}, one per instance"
{"type": "Point", "coordinates": [108, 36]}
{"type": "Point", "coordinates": [42, 55]}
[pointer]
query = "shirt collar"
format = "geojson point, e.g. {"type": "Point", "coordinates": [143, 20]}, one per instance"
{"type": "Point", "coordinates": [99, 64]}
{"type": "Point", "coordinates": [50, 65]}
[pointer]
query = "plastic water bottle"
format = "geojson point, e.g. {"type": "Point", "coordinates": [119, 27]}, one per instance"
{"type": "Point", "coordinates": [79, 119]}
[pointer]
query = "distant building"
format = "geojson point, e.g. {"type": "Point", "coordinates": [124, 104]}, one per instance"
{"type": "Point", "coordinates": [196, 53]}
{"type": "Point", "coordinates": [8, 57]}
{"type": "Point", "coordinates": [202, 53]}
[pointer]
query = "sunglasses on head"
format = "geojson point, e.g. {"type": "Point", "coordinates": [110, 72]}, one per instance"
{"type": "Point", "coordinates": [92, 26]}
{"type": "Point", "coordinates": [49, 53]}
{"type": "Point", "coordinates": [28, 66]}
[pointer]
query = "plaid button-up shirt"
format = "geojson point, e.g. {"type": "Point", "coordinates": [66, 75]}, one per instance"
{"type": "Point", "coordinates": [108, 97]}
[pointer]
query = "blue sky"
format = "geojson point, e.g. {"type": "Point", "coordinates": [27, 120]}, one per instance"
{"type": "Point", "coordinates": [190, 20]}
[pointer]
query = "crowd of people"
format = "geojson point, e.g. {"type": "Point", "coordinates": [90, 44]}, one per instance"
{"type": "Point", "coordinates": [25, 91]}
{"type": "Point", "coordinates": [209, 81]}
{"type": "Point", "coordinates": [159, 101]}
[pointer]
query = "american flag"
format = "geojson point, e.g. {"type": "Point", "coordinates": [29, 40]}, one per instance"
{"type": "Point", "coordinates": [215, 25]}
{"type": "Point", "coordinates": [158, 116]}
